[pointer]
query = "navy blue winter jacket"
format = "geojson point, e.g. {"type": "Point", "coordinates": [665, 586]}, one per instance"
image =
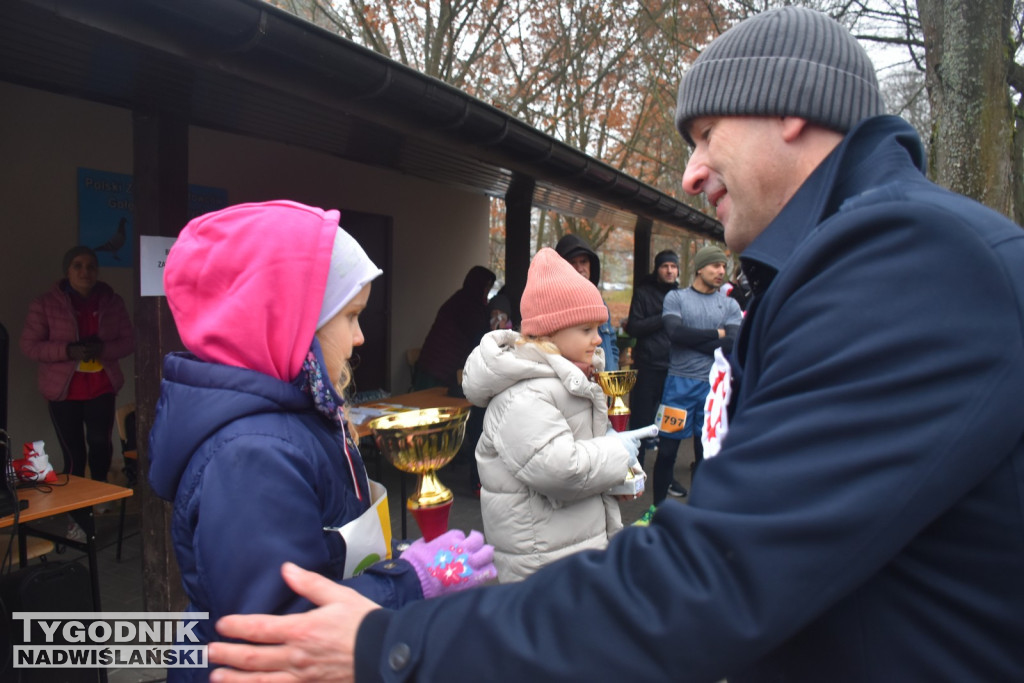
{"type": "Point", "coordinates": [864, 520]}
{"type": "Point", "coordinates": [244, 457]}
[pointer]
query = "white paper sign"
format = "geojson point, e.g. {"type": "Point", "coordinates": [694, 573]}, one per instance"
{"type": "Point", "coordinates": [153, 252]}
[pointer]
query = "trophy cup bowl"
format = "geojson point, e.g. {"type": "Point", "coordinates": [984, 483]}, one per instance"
{"type": "Point", "coordinates": [421, 442]}
{"type": "Point", "coordinates": [616, 384]}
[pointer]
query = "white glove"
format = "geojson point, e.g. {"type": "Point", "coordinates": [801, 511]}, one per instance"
{"type": "Point", "coordinates": [631, 440]}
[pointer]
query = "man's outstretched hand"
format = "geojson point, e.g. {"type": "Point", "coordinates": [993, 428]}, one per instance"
{"type": "Point", "coordinates": [318, 645]}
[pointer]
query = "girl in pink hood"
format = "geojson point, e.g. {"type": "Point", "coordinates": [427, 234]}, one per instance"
{"type": "Point", "coordinates": [250, 440]}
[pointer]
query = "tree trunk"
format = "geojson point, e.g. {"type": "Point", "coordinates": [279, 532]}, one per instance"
{"type": "Point", "coordinates": [968, 55]}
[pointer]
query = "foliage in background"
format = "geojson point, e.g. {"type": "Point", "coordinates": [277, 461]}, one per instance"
{"type": "Point", "coordinates": [601, 75]}
{"type": "Point", "coordinates": [957, 74]}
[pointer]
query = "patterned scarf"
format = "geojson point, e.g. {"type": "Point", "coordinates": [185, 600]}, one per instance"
{"type": "Point", "coordinates": [328, 403]}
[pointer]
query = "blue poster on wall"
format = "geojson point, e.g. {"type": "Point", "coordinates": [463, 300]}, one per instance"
{"type": "Point", "coordinates": [105, 213]}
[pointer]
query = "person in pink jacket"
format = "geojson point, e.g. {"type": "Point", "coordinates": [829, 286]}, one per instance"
{"type": "Point", "coordinates": [77, 331]}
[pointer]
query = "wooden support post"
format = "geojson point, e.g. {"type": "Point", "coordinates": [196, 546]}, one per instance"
{"type": "Point", "coordinates": [161, 209]}
{"type": "Point", "coordinates": [518, 205]}
{"type": "Point", "coordinates": [641, 248]}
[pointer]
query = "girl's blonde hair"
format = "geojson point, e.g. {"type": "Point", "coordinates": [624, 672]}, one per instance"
{"type": "Point", "coordinates": [543, 343]}
{"type": "Point", "coordinates": [342, 386]}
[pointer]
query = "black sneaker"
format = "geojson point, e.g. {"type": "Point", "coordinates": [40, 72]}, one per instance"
{"type": "Point", "coordinates": [676, 489]}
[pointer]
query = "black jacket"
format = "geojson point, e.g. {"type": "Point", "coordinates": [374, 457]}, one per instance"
{"type": "Point", "coordinates": [644, 323]}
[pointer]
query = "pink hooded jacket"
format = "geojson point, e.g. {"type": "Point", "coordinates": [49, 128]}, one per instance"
{"type": "Point", "coordinates": [245, 284]}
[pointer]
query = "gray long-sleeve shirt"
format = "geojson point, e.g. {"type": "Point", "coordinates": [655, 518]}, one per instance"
{"type": "Point", "coordinates": [696, 311]}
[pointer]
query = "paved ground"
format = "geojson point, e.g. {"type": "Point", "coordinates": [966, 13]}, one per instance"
{"type": "Point", "coordinates": [121, 580]}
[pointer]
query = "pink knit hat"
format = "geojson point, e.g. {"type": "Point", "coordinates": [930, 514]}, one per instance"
{"type": "Point", "coordinates": [248, 284]}
{"type": "Point", "coordinates": [556, 296]}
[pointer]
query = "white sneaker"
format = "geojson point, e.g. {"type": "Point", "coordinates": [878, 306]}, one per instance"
{"type": "Point", "coordinates": [76, 533]}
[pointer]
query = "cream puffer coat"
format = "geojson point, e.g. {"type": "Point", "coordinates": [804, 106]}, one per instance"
{"type": "Point", "coordinates": [544, 458]}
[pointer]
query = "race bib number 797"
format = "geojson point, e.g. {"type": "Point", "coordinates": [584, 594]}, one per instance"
{"type": "Point", "coordinates": [670, 419]}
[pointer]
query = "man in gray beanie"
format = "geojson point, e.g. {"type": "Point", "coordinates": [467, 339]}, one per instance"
{"type": "Point", "coordinates": [698, 320]}
{"type": "Point", "coordinates": [786, 62]}
{"type": "Point", "coordinates": [858, 514]}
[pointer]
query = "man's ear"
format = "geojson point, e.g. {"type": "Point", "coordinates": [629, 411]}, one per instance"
{"type": "Point", "coordinates": [792, 127]}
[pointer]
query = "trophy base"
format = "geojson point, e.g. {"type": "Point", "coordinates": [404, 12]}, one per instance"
{"type": "Point", "coordinates": [620, 423]}
{"type": "Point", "coordinates": [632, 486]}
{"type": "Point", "coordinates": [431, 519]}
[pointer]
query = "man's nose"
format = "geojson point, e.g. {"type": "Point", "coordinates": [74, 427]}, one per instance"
{"type": "Point", "coordinates": [696, 173]}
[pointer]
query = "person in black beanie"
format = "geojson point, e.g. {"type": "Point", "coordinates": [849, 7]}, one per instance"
{"type": "Point", "coordinates": [858, 513]}
{"type": "Point", "coordinates": [650, 356]}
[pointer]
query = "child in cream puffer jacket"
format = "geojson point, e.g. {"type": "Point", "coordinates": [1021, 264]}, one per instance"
{"type": "Point", "coordinates": [547, 456]}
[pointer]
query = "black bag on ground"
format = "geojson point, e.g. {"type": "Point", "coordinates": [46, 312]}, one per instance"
{"type": "Point", "coordinates": [44, 587]}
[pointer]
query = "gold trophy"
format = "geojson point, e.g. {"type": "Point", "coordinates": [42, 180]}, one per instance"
{"type": "Point", "coordinates": [421, 442]}
{"type": "Point", "coordinates": [616, 384]}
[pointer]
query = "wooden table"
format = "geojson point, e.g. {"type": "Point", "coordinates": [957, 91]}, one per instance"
{"type": "Point", "coordinates": [436, 397]}
{"type": "Point", "coordinates": [73, 495]}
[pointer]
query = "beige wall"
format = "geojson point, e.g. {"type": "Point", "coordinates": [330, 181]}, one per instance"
{"type": "Point", "coordinates": [45, 138]}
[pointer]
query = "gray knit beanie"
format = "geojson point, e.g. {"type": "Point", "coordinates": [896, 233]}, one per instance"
{"type": "Point", "coordinates": [790, 61]}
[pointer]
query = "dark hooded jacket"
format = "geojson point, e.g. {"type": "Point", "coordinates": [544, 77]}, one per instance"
{"type": "Point", "coordinates": [572, 245]}
{"type": "Point", "coordinates": [863, 520]}
{"type": "Point", "coordinates": [460, 323]}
